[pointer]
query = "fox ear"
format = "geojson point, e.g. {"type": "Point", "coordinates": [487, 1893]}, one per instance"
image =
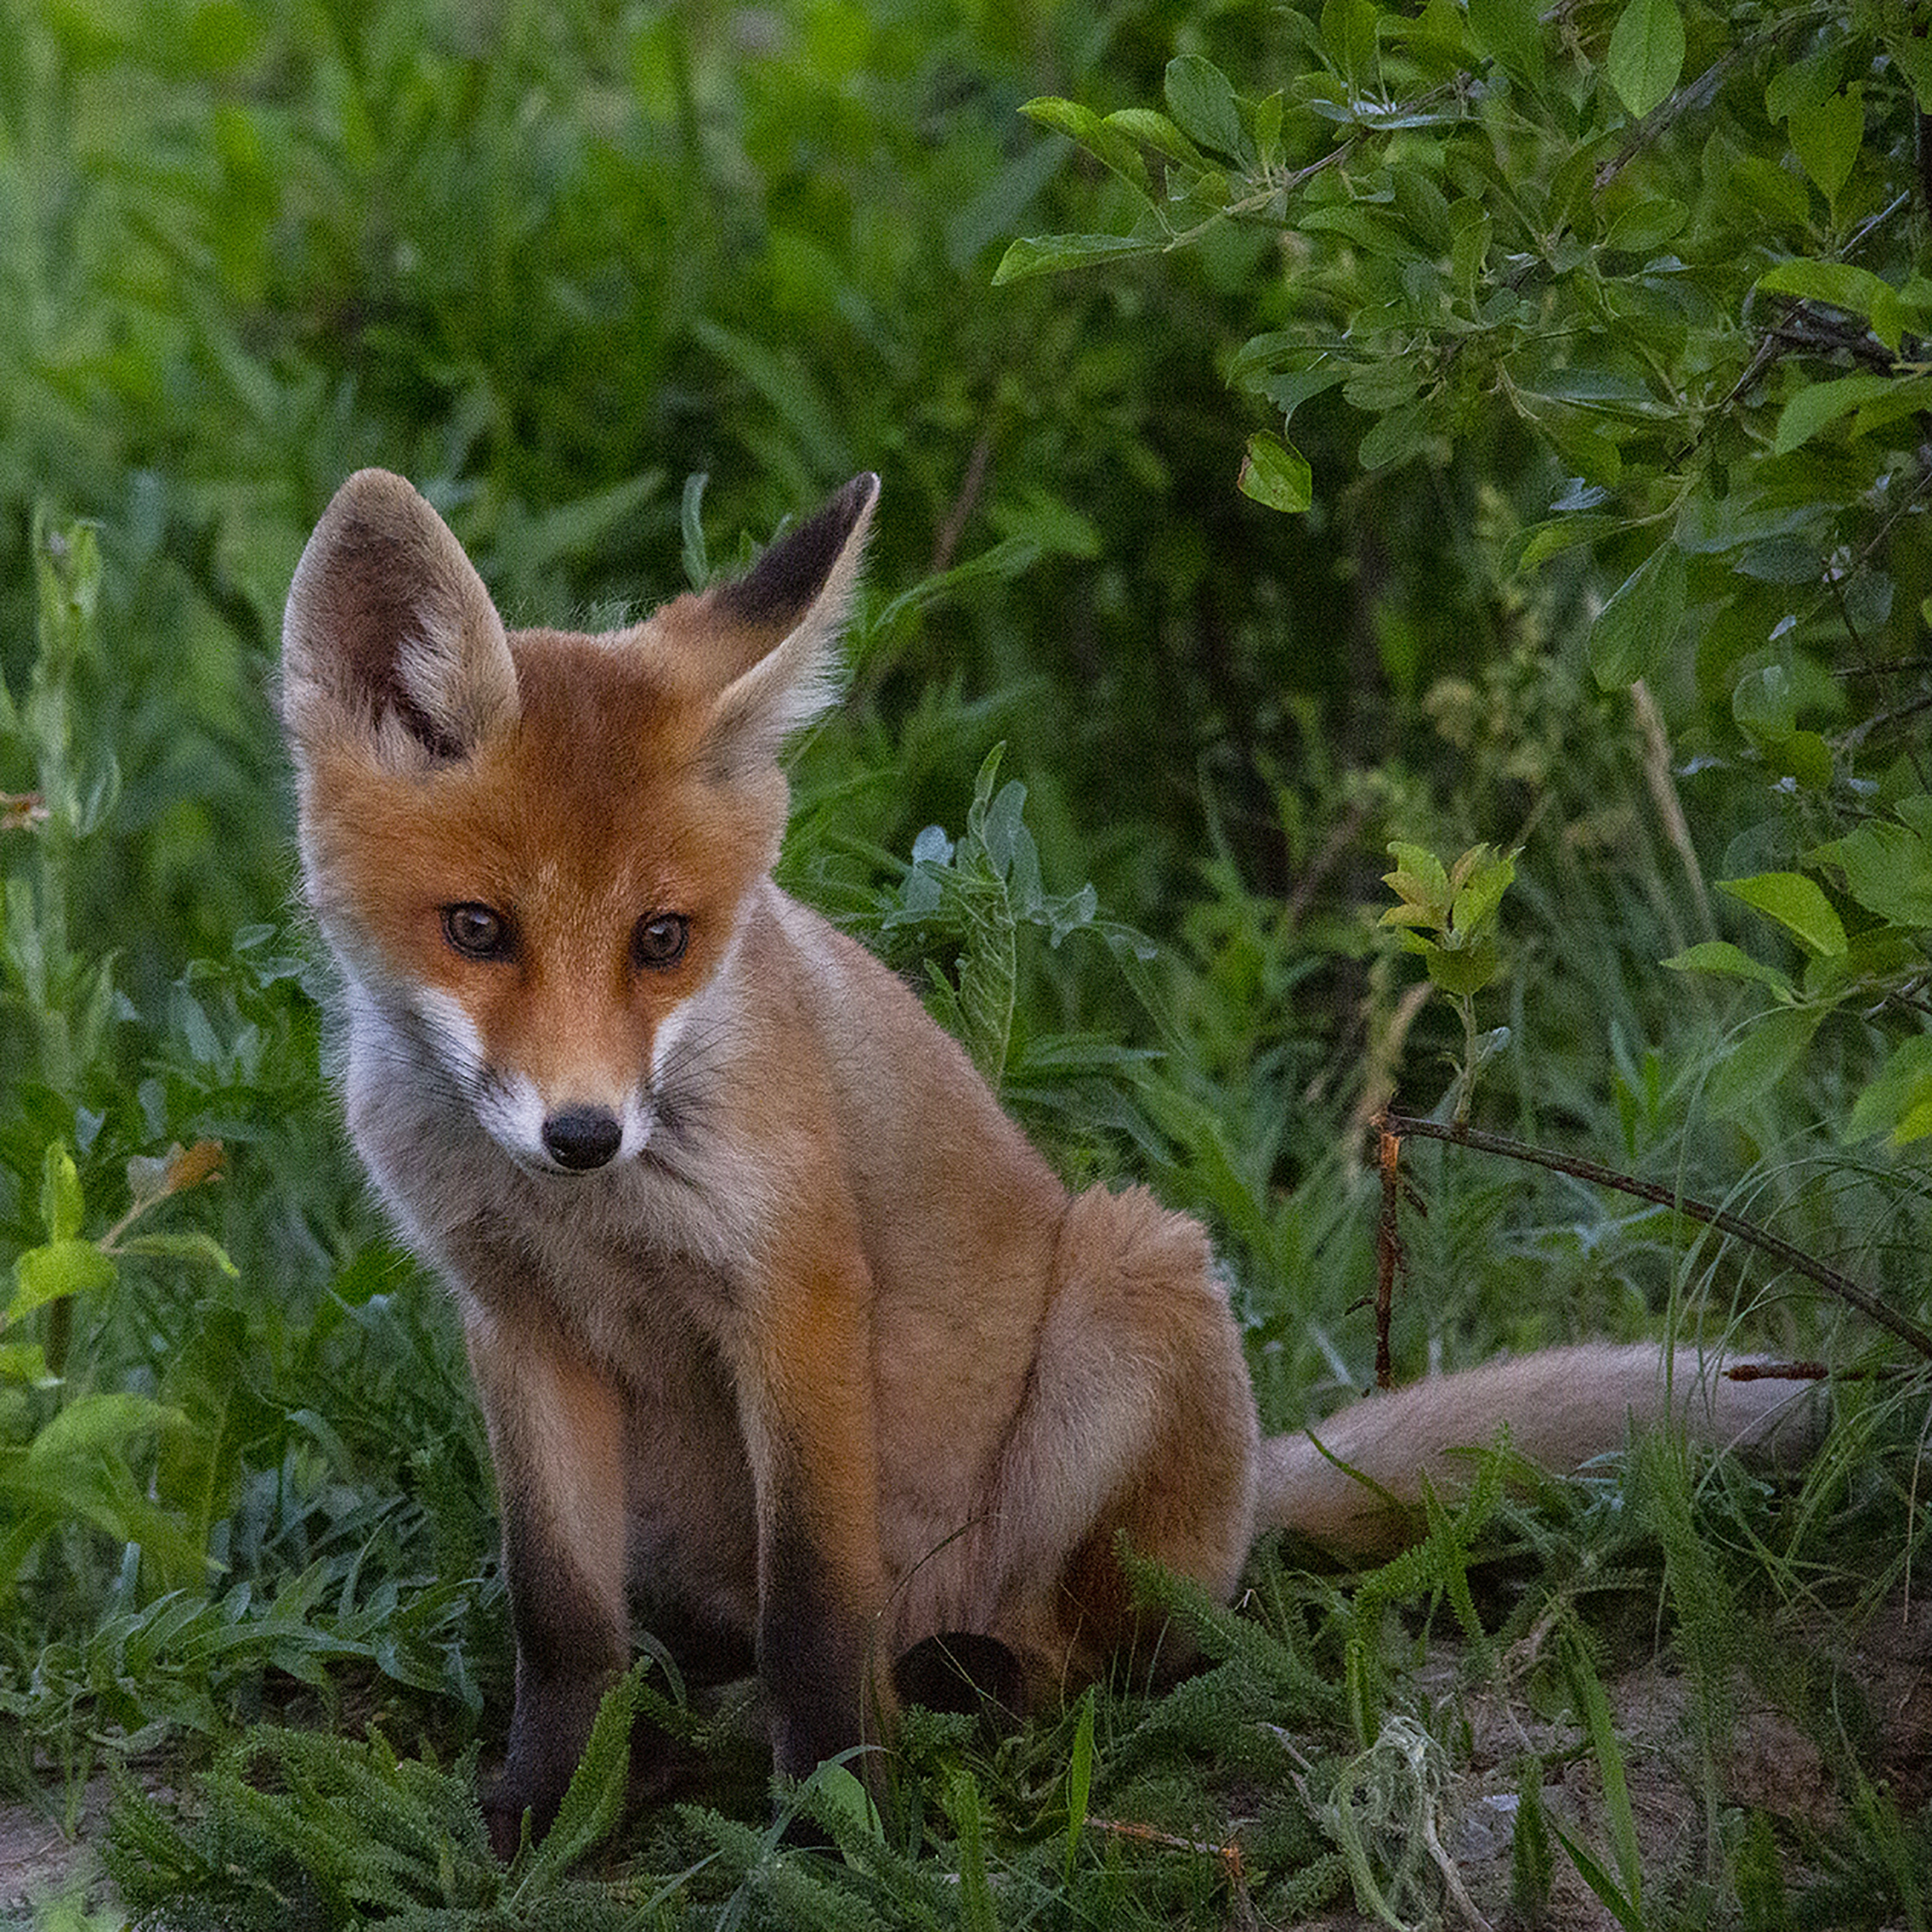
{"type": "Point", "coordinates": [789, 609]}
{"type": "Point", "coordinates": [389, 631]}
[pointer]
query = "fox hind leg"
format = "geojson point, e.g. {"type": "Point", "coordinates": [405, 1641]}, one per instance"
{"type": "Point", "coordinates": [1140, 1419]}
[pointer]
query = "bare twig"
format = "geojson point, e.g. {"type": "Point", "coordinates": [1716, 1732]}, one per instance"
{"type": "Point", "coordinates": [1388, 1253]}
{"type": "Point", "coordinates": [947, 544]}
{"type": "Point", "coordinates": [1795, 1259]}
{"type": "Point", "coordinates": [1693, 94]}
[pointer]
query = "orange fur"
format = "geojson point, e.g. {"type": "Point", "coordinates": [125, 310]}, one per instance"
{"type": "Point", "coordinates": [776, 1319]}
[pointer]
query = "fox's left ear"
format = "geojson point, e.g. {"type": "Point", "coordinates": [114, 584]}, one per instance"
{"type": "Point", "coordinates": [793, 603]}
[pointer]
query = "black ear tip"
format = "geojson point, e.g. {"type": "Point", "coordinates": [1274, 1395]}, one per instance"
{"type": "Point", "coordinates": [847, 505]}
{"type": "Point", "coordinates": [850, 506]}
{"type": "Point", "coordinates": [782, 583]}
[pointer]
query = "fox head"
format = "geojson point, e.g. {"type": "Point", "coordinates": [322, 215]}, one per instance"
{"type": "Point", "coordinates": [530, 850]}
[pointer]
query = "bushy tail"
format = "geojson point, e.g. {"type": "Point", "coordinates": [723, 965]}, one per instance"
{"type": "Point", "coordinates": [1563, 1406]}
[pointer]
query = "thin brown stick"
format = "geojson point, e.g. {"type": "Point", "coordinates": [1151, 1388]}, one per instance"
{"type": "Point", "coordinates": [947, 544]}
{"type": "Point", "coordinates": [1389, 1255]}
{"type": "Point", "coordinates": [1796, 1259]}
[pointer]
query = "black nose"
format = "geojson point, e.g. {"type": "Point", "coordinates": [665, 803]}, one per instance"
{"type": "Point", "coordinates": [582, 1137]}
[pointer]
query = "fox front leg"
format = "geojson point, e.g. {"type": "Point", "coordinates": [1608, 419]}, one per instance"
{"type": "Point", "coordinates": [806, 1403]}
{"type": "Point", "coordinates": [814, 1641]}
{"type": "Point", "coordinates": [557, 1430]}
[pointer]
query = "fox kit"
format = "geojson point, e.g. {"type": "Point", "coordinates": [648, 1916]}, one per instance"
{"type": "Point", "coordinates": [779, 1325]}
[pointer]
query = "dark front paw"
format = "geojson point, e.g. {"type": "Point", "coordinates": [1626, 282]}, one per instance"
{"type": "Point", "coordinates": [548, 1733]}
{"type": "Point", "coordinates": [503, 1810]}
{"type": "Point", "coordinates": [534, 1788]}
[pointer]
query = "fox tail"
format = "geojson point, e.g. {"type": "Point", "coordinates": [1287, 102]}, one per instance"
{"type": "Point", "coordinates": [1353, 1482]}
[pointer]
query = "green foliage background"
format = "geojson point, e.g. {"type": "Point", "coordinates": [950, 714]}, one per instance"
{"type": "Point", "coordinates": [1303, 428]}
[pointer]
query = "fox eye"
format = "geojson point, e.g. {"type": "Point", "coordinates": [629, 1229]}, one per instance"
{"type": "Point", "coordinates": [477, 931]}
{"type": "Point", "coordinates": [659, 939]}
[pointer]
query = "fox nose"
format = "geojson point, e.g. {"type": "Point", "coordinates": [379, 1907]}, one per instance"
{"type": "Point", "coordinates": [582, 1137]}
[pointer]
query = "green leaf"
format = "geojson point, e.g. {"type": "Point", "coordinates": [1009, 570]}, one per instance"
{"type": "Point", "coordinates": [1758, 1056]}
{"type": "Point", "coordinates": [1912, 53]}
{"type": "Point", "coordinates": [1155, 130]}
{"type": "Point", "coordinates": [961, 1796]}
{"type": "Point", "coordinates": [1049, 254]}
{"type": "Point", "coordinates": [697, 563]}
{"type": "Point", "coordinates": [188, 1244]}
{"type": "Point", "coordinates": [92, 1425]}
{"type": "Point", "coordinates": [1543, 541]}
{"type": "Point", "coordinates": [847, 1799]}
{"type": "Point", "coordinates": [1424, 209]}
{"type": "Point", "coordinates": [26, 1362]}
{"type": "Point", "coordinates": [1112, 146]}
{"type": "Point", "coordinates": [1201, 99]}
{"type": "Point", "coordinates": [1079, 1781]}
{"type": "Point", "coordinates": [1856, 290]}
{"type": "Point", "coordinates": [1592, 1706]}
{"type": "Point", "coordinates": [1586, 450]}
{"type": "Point", "coordinates": [1888, 870]}
{"type": "Point", "coordinates": [1646, 54]}
{"type": "Point", "coordinates": [1758, 185]}
{"type": "Point", "coordinates": [1798, 904]}
{"type": "Point", "coordinates": [1290, 389]}
{"type": "Point", "coordinates": [62, 1207]}
{"type": "Point", "coordinates": [1632, 630]}
{"type": "Point", "coordinates": [1276, 473]}
{"type": "Point", "coordinates": [1623, 1909]}
{"type": "Point", "coordinates": [1420, 880]}
{"type": "Point", "coordinates": [1511, 30]}
{"type": "Point", "coordinates": [1531, 1862]}
{"type": "Point", "coordinates": [1643, 225]}
{"type": "Point", "coordinates": [593, 1801]}
{"type": "Point", "coordinates": [1804, 755]}
{"type": "Point", "coordinates": [1268, 129]}
{"type": "Point", "coordinates": [1764, 703]}
{"type": "Point", "coordinates": [1398, 436]}
{"type": "Point", "coordinates": [1903, 396]}
{"type": "Point", "coordinates": [1805, 81]}
{"type": "Point", "coordinates": [54, 1271]}
{"type": "Point", "coordinates": [1462, 972]}
{"type": "Point", "coordinates": [1480, 877]}
{"type": "Point", "coordinates": [1826, 138]}
{"type": "Point", "coordinates": [1348, 39]}
{"type": "Point", "coordinates": [1899, 1102]}
{"type": "Point", "coordinates": [1010, 558]}
{"type": "Point", "coordinates": [1819, 403]}
{"type": "Point", "coordinates": [1720, 957]}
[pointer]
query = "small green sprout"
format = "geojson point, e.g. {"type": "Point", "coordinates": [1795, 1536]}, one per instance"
{"type": "Point", "coordinates": [1449, 917]}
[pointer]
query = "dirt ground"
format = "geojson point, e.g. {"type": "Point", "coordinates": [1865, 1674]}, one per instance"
{"type": "Point", "coordinates": [39, 1857]}
{"type": "Point", "coordinates": [1771, 1766]}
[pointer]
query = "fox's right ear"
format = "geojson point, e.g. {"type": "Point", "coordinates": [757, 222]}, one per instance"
{"type": "Point", "coordinates": [389, 632]}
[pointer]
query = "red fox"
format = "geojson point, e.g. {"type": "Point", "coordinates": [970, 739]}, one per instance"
{"type": "Point", "coordinates": [779, 1324]}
